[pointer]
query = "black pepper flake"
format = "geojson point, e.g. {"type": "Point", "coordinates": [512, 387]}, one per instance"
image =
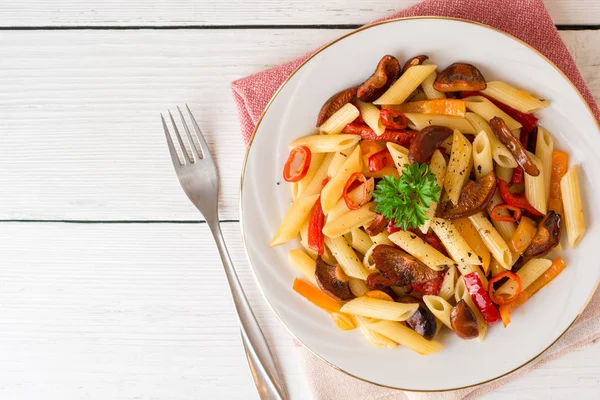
{"type": "Point", "coordinates": [278, 183]}
{"type": "Point", "coordinates": [412, 236]}
{"type": "Point", "coordinates": [469, 253]}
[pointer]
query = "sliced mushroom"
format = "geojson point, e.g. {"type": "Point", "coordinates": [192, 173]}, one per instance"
{"type": "Point", "coordinates": [422, 321]}
{"type": "Point", "coordinates": [376, 281]}
{"type": "Point", "coordinates": [546, 238]}
{"type": "Point", "coordinates": [418, 60]}
{"type": "Point", "coordinates": [334, 103]}
{"type": "Point", "coordinates": [460, 77]}
{"type": "Point", "coordinates": [399, 267]}
{"type": "Point", "coordinates": [463, 321]}
{"type": "Point", "coordinates": [378, 225]}
{"type": "Point", "coordinates": [474, 197]}
{"type": "Point", "coordinates": [332, 280]}
{"type": "Point", "coordinates": [426, 142]}
{"type": "Point", "coordinates": [513, 144]}
{"type": "Point", "coordinates": [386, 73]}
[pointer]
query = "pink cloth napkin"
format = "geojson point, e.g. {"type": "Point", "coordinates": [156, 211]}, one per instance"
{"type": "Point", "coordinates": [529, 21]}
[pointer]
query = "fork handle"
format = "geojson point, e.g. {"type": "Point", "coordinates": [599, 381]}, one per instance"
{"type": "Point", "coordinates": [262, 365]}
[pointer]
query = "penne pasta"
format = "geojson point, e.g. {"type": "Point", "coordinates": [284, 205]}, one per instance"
{"type": "Point", "coordinates": [504, 173]}
{"type": "Point", "coordinates": [382, 238]}
{"type": "Point", "coordinates": [535, 186]}
{"type": "Point", "coordinates": [422, 251]}
{"type": "Point", "coordinates": [405, 85]}
{"type": "Point", "coordinates": [482, 155]}
{"type": "Point", "coordinates": [430, 92]}
{"type": "Point", "coordinates": [516, 98]}
{"type": "Point", "coordinates": [447, 288]}
{"type": "Point", "coordinates": [315, 183]}
{"type": "Point", "coordinates": [440, 308]}
{"type": "Point", "coordinates": [359, 240]}
{"type": "Point", "coordinates": [454, 243]}
{"type": "Point", "coordinates": [333, 190]}
{"type": "Point", "coordinates": [356, 195]}
{"type": "Point", "coordinates": [505, 229]}
{"type": "Point", "coordinates": [458, 170]}
{"type": "Point", "coordinates": [326, 143]}
{"type": "Point", "coordinates": [492, 240]}
{"type": "Point", "coordinates": [314, 167]}
{"type": "Point", "coordinates": [304, 241]}
{"type": "Point", "coordinates": [488, 110]}
{"type": "Point", "coordinates": [376, 339]}
{"type": "Point", "coordinates": [543, 150]}
{"type": "Point", "coordinates": [294, 219]}
{"type": "Point", "coordinates": [380, 309]}
{"type": "Point", "coordinates": [304, 264]}
{"type": "Point", "coordinates": [346, 257]}
{"type": "Point", "coordinates": [371, 115]}
{"type": "Point", "coordinates": [437, 165]}
{"type": "Point", "coordinates": [470, 234]}
{"type": "Point", "coordinates": [338, 121]}
{"type": "Point", "coordinates": [420, 121]}
{"type": "Point", "coordinates": [399, 155]}
{"type": "Point", "coordinates": [481, 324]}
{"type": "Point", "coordinates": [573, 208]}
{"type": "Point", "coordinates": [532, 270]}
{"type": "Point", "coordinates": [500, 152]}
{"type": "Point", "coordinates": [370, 266]}
{"type": "Point", "coordinates": [358, 287]}
{"type": "Point", "coordinates": [350, 220]}
{"type": "Point", "coordinates": [406, 336]}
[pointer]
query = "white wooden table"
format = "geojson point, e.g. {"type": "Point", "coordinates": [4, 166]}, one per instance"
{"type": "Point", "coordinates": [110, 286]}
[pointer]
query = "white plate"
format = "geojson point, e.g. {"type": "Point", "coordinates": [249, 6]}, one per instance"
{"type": "Point", "coordinates": [265, 198]}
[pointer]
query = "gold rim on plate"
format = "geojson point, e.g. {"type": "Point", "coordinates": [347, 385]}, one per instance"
{"type": "Point", "coordinates": [244, 172]}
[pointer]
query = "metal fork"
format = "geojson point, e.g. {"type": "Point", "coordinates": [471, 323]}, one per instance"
{"type": "Point", "coordinates": [198, 177]}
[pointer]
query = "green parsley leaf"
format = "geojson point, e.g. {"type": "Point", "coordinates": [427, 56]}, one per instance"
{"type": "Point", "coordinates": [406, 199]}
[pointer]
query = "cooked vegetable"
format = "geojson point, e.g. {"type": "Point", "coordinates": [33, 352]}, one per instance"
{"type": "Point", "coordinates": [380, 160]}
{"type": "Point", "coordinates": [316, 221]}
{"type": "Point", "coordinates": [377, 226]}
{"type": "Point", "coordinates": [500, 300]}
{"type": "Point", "coordinates": [459, 77]}
{"type": "Point", "coordinates": [350, 203]}
{"type": "Point", "coordinates": [399, 267]}
{"type": "Point", "coordinates": [559, 168]}
{"type": "Point", "coordinates": [463, 321]}
{"type": "Point", "coordinates": [386, 73]}
{"type": "Point", "coordinates": [376, 281]}
{"type": "Point", "coordinates": [454, 107]}
{"type": "Point", "coordinates": [552, 272]}
{"type": "Point", "coordinates": [516, 200]}
{"type": "Point", "coordinates": [474, 197]}
{"type": "Point", "coordinates": [498, 213]}
{"type": "Point", "coordinates": [302, 168]}
{"type": "Point", "coordinates": [380, 294]}
{"type": "Point", "coordinates": [406, 199]}
{"type": "Point", "coordinates": [402, 137]}
{"type": "Point", "coordinates": [332, 280]}
{"type": "Point", "coordinates": [315, 296]}
{"type": "Point", "coordinates": [546, 237]}
{"type": "Point", "coordinates": [523, 235]}
{"type": "Point", "coordinates": [481, 299]}
{"type": "Point", "coordinates": [417, 60]}
{"type": "Point", "coordinates": [334, 103]}
{"type": "Point", "coordinates": [393, 119]}
{"type": "Point", "coordinates": [513, 144]}
{"type": "Point", "coordinates": [426, 142]}
{"type": "Point", "coordinates": [422, 321]}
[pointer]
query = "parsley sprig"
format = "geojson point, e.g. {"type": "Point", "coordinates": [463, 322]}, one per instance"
{"type": "Point", "coordinates": [406, 199]}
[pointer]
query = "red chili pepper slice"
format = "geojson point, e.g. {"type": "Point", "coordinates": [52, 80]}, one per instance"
{"type": "Point", "coordinates": [496, 214]}
{"type": "Point", "coordinates": [529, 121]}
{"type": "Point", "coordinates": [481, 299]}
{"type": "Point", "coordinates": [501, 300]}
{"type": "Point", "coordinates": [380, 160]}
{"type": "Point", "coordinates": [400, 136]}
{"type": "Point", "coordinates": [392, 228]}
{"type": "Point", "coordinates": [302, 169]}
{"type": "Point", "coordinates": [393, 119]}
{"type": "Point", "coordinates": [349, 202]}
{"type": "Point", "coordinates": [516, 200]}
{"type": "Point", "coordinates": [517, 176]}
{"type": "Point", "coordinates": [316, 222]}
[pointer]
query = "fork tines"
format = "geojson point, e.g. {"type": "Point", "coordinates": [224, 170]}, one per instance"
{"type": "Point", "coordinates": [195, 149]}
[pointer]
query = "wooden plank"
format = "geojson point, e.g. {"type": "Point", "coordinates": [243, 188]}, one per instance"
{"type": "Point", "coordinates": [142, 311]}
{"type": "Point", "coordinates": [79, 112]}
{"type": "Point", "coordinates": [255, 12]}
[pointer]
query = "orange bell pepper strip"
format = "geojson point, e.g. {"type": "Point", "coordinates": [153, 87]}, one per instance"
{"type": "Point", "coordinates": [558, 265]}
{"type": "Point", "coordinates": [454, 107]}
{"type": "Point", "coordinates": [315, 296]}
{"type": "Point", "coordinates": [560, 162]}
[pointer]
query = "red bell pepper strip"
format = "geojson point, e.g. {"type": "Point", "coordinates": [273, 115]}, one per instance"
{"type": "Point", "coordinates": [392, 228]}
{"type": "Point", "coordinates": [316, 222]}
{"type": "Point", "coordinates": [430, 288]}
{"type": "Point", "coordinates": [380, 160]}
{"type": "Point", "coordinates": [358, 120]}
{"type": "Point", "coordinates": [517, 176]}
{"type": "Point", "coordinates": [501, 300]}
{"type": "Point", "coordinates": [481, 299]}
{"type": "Point", "coordinates": [393, 119]}
{"type": "Point", "coordinates": [401, 136]}
{"type": "Point", "coordinates": [529, 121]}
{"type": "Point", "coordinates": [496, 214]}
{"type": "Point", "coordinates": [345, 194]}
{"type": "Point", "coordinates": [302, 169]}
{"type": "Point", "coordinates": [516, 200]}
